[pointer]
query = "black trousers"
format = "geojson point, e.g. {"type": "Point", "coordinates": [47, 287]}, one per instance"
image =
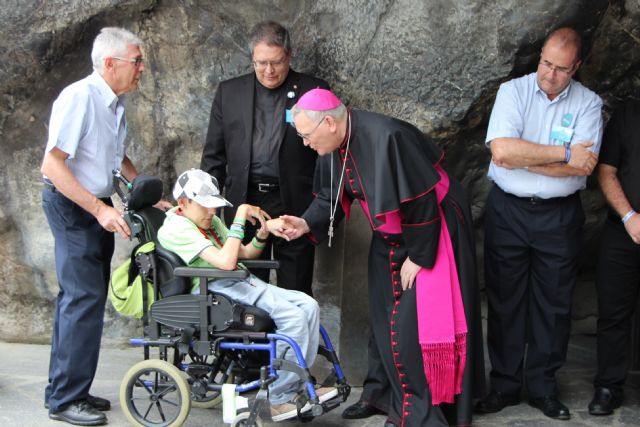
{"type": "Point", "coordinates": [617, 286]}
{"type": "Point", "coordinates": [295, 257]}
{"type": "Point", "coordinates": [531, 252]}
{"type": "Point", "coordinates": [83, 251]}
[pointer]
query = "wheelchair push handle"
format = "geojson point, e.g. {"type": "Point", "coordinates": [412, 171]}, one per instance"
{"type": "Point", "coordinates": [118, 181]}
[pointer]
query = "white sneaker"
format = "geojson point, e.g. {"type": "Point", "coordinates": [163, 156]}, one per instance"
{"type": "Point", "coordinates": [326, 393]}
{"type": "Point", "coordinates": [288, 410]}
{"type": "Point", "coordinates": [283, 411]}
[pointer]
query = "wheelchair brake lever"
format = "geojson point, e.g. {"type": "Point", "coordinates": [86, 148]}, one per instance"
{"type": "Point", "coordinates": [134, 226]}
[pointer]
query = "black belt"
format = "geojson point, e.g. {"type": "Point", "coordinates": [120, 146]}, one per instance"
{"type": "Point", "coordinates": [264, 187]}
{"type": "Point", "coordinates": [533, 200]}
{"type": "Point", "coordinates": [48, 185]}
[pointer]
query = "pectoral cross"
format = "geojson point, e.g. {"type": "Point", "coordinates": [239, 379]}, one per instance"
{"type": "Point", "coordinates": [330, 232]}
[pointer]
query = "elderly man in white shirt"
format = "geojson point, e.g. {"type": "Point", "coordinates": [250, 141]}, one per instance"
{"type": "Point", "coordinates": [87, 132]}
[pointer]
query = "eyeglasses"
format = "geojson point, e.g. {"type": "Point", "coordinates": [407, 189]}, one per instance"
{"type": "Point", "coordinates": [308, 134]}
{"type": "Point", "coordinates": [261, 65]}
{"type": "Point", "coordinates": [135, 61]}
{"type": "Point", "coordinates": [560, 70]}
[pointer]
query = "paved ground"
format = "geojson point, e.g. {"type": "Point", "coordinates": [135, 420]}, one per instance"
{"type": "Point", "coordinates": [23, 376]}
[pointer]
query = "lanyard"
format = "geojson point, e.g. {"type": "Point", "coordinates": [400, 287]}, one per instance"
{"type": "Point", "coordinates": [204, 232]}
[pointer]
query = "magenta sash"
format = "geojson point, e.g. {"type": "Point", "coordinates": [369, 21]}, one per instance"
{"type": "Point", "coordinates": [442, 327]}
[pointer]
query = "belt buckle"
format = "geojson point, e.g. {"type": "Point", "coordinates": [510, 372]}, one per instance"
{"type": "Point", "coordinates": [263, 187]}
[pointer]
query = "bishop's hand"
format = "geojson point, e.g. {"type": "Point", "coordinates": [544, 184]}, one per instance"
{"type": "Point", "coordinates": [408, 273]}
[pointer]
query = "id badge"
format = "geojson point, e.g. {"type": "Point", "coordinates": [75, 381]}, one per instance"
{"type": "Point", "coordinates": [561, 135]}
{"type": "Point", "coordinates": [288, 117]}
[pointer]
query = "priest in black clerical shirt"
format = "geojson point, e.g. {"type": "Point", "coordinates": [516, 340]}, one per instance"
{"type": "Point", "coordinates": [254, 153]}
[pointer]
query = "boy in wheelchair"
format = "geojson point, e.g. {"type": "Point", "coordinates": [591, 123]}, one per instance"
{"type": "Point", "coordinates": [194, 232]}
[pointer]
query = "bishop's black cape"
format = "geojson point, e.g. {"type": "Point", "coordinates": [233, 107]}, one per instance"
{"type": "Point", "coordinates": [392, 166]}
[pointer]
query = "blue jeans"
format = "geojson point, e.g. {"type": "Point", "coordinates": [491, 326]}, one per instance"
{"type": "Point", "coordinates": [295, 314]}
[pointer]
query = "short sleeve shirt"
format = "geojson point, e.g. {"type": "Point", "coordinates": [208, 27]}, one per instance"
{"type": "Point", "coordinates": [181, 236]}
{"type": "Point", "coordinates": [88, 123]}
{"type": "Point", "coordinates": [522, 110]}
{"type": "Point", "coordinates": [621, 149]}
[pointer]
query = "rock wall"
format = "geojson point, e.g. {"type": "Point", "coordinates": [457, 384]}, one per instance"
{"type": "Point", "coordinates": [435, 63]}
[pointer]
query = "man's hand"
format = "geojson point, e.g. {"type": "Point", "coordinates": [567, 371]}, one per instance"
{"type": "Point", "coordinates": [111, 220]}
{"type": "Point", "coordinates": [408, 273]}
{"type": "Point", "coordinates": [633, 228]}
{"type": "Point", "coordinates": [582, 158]}
{"type": "Point", "coordinates": [288, 227]}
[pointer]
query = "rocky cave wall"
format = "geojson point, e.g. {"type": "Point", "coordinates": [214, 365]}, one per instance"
{"type": "Point", "coordinates": [434, 63]}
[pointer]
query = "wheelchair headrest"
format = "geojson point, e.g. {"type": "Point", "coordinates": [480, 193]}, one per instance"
{"type": "Point", "coordinates": [146, 191]}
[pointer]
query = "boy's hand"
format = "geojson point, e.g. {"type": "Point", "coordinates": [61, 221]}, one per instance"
{"type": "Point", "coordinates": [277, 226]}
{"type": "Point", "coordinates": [289, 227]}
{"type": "Point", "coordinates": [254, 213]}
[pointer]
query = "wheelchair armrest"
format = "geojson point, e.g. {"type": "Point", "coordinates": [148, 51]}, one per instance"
{"type": "Point", "coordinates": [260, 263]}
{"type": "Point", "coordinates": [210, 272]}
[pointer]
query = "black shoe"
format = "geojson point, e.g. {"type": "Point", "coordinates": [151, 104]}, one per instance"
{"type": "Point", "coordinates": [496, 401]}
{"type": "Point", "coordinates": [604, 401]}
{"type": "Point", "coordinates": [80, 413]}
{"type": "Point", "coordinates": [551, 407]}
{"type": "Point", "coordinates": [360, 410]}
{"type": "Point", "coordinates": [97, 402]}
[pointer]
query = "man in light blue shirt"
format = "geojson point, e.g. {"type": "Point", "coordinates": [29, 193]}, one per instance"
{"type": "Point", "coordinates": [87, 132]}
{"type": "Point", "coordinates": [544, 135]}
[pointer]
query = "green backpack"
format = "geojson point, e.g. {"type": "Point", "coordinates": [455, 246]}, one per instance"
{"type": "Point", "coordinates": [125, 290]}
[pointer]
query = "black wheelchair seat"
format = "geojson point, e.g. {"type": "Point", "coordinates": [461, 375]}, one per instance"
{"type": "Point", "coordinates": [183, 312]}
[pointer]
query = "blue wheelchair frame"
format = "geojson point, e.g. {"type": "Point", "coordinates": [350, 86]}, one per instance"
{"type": "Point", "coordinates": [190, 332]}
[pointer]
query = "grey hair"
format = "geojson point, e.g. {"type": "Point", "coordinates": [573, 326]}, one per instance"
{"type": "Point", "coordinates": [271, 33]}
{"type": "Point", "coordinates": [112, 41]}
{"type": "Point", "coordinates": [337, 113]}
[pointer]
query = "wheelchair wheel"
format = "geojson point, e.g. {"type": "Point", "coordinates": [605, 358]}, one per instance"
{"type": "Point", "coordinates": [154, 393]}
{"type": "Point", "coordinates": [241, 421]}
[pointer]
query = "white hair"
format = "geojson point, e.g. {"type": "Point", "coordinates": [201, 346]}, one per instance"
{"type": "Point", "coordinates": [337, 113]}
{"type": "Point", "coordinates": [112, 41]}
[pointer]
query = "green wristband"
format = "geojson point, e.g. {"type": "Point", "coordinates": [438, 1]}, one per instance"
{"type": "Point", "coordinates": [254, 242]}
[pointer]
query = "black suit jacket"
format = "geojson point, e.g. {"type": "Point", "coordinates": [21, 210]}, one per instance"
{"type": "Point", "coordinates": [227, 150]}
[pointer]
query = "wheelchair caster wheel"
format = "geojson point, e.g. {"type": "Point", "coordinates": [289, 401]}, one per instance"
{"type": "Point", "coordinates": [154, 393]}
{"type": "Point", "coordinates": [241, 421]}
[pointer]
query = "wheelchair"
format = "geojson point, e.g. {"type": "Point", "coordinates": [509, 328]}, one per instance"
{"type": "Point", "coordinates": [204, 342]}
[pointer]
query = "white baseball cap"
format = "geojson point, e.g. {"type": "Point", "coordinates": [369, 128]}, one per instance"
{"type": "Point", "coordinates": [201, 187]}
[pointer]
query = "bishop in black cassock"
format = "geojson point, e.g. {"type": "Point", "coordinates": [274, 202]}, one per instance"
{"type": "Point", "coordinates": [393, 170]}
